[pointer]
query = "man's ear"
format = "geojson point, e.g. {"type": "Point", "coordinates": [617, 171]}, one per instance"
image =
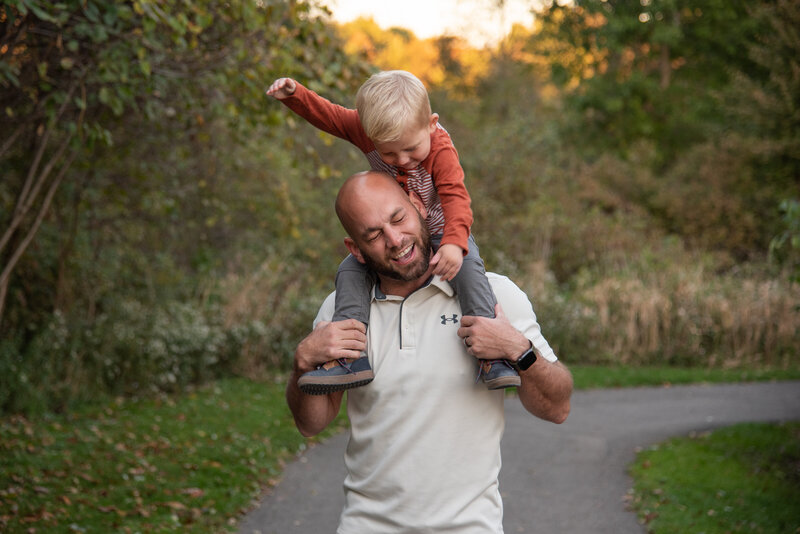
{"type": "Point", "coordinates": [416, 200]}
{"type": "Point", "coordinates": [354, 250]}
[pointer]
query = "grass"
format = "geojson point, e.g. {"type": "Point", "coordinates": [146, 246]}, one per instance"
{"type": "Point", "coordinates": [188, 463]}
{"type": "Point", "coordinates": [744, 478]}
{"type": "Point", "coordinates": [589, 377]}
{"type": "Point", "coordinates": [191, 463]}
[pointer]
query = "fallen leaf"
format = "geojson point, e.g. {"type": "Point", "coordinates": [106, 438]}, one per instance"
{"type": "Point", "coordinates": [193, 492]}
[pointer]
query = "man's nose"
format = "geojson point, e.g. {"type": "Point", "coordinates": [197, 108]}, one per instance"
{"type": "Point", "coordinates": [394, 238]}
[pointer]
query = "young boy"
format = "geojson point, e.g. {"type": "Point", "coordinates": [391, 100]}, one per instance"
{"type": "Point", "coordinates": [395, 129]}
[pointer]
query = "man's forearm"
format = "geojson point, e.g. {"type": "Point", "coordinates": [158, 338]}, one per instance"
{"type": "Point", "coordinates": [328, 341]}
{"type": "Point", "coordinates": [546, 389]}
{"type": "Point", "coordinates": [312, 413]}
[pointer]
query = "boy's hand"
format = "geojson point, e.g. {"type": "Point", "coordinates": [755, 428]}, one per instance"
{"type": "Point", "coordinates": [447, 261]}
{"type": "Point", "coordinates": [282, 88]}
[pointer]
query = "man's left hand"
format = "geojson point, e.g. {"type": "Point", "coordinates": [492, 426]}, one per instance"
{"type": "Point", "coordinates": [492, 339]}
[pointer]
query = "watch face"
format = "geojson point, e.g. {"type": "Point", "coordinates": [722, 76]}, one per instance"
{"type": "Point", "coordinates": [526, 360]}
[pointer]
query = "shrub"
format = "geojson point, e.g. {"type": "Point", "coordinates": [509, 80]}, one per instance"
{"type": "Point", "coordinates": [132, 348]}
{"type": "Point", "coordinates": [679, 313]}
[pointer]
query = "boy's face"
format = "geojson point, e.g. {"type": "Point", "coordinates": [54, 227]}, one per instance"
{"type": "Point", "coordinates": [413, 146]}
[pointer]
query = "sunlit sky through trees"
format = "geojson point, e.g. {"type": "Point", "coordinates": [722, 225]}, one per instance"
{"type": "Point", "coordinates": [479, 21]}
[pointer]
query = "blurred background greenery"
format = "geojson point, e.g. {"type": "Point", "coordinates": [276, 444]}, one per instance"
{"type": "Point", "coordinates": [634, 166]}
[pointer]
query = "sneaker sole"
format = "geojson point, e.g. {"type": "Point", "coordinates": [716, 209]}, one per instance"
{"type": "Point", "coordinates": [323, 386]}
{"type": "Point", "coordinates": [504, 382]}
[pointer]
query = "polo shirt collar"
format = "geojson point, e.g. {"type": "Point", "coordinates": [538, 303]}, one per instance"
{"type": "Point", "coordinates": [434, 281]}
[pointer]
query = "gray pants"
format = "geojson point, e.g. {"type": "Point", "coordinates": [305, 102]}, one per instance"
{"type": "Point", "coordinates": [354, 287]}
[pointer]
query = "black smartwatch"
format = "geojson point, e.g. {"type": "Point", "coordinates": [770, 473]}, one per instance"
{"type": "Point", "coordinates": [526, 360]}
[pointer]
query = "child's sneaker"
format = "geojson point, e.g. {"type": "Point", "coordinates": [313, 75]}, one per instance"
{"type": "Point", "coordinates": [498, 374]}
{"type": "Point", "coordinates": [336, 375]}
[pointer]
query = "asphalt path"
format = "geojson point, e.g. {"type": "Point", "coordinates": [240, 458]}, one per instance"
{"type": "Point", "coordinates": [568, 478]}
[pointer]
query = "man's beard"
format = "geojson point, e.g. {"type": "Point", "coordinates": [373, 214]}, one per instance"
{"type": "Point", "coordinates": [423, 245]}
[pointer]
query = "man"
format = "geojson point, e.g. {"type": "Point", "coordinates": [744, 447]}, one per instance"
{"type": "Point", "coordinates": [424, 449]}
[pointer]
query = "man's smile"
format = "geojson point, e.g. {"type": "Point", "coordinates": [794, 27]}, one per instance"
{"type": "Point", "coordinates": [405, 255]}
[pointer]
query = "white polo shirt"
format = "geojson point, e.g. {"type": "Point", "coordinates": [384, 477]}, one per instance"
{"type": "Point", "coordinates": [424, 449]}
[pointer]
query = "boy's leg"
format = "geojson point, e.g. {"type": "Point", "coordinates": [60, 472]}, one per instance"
{"type": "Point", "coordinates": [474, 291]}
{"type": "Point", "coordinates": [353, 288]}
{"type": "Point", "coordinates": [477, 298]}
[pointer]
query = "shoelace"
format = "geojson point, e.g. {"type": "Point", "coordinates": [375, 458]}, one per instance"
{"type": "Point", "coordinates": [347, 365]}
{"type": "Point", "coordinates": [491, 362]}
{"type": "Point", "coordinates": [344, 363]}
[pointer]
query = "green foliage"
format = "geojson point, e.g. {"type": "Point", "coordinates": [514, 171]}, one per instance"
{"type": "Point", "coordinates": [737, 479]}
{"type": "Point", "coordinates": [632, 69]}
{"type": "Point", "coordinates": [764, 101]}
{"type": "Point", "coordinates": [165, 222]}
{"type": "Point", "coordinates": [191, 182]}
{"type": "Point", "coordinates": [127, 349]}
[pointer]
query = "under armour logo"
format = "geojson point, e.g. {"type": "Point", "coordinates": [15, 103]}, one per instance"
{"type": "Point", "coordinates": [446, 319]}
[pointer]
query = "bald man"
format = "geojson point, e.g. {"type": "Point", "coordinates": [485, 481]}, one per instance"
{"type": "Point", "coordinates": [424, 449]}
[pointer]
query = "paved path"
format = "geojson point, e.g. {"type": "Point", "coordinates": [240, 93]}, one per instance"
{"type": "Point", "coordinates": [566, 479]}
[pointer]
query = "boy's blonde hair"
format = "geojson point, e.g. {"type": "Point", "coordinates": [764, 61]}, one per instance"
{"type": "Point", "coordinates": [391, 101]}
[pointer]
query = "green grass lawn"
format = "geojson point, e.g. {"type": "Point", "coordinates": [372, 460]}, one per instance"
{"type": "Point", "coordinates": [744, 478]}
{"type": "Point", "coordinates": [587, 377]}
{"type": "Point", "coordinates": [192, 462]}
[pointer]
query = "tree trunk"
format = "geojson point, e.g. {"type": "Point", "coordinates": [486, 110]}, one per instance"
{"type": "Point", "coordinates": [19, 250]}
{"type": "Point", "coordinates": [665, 67]}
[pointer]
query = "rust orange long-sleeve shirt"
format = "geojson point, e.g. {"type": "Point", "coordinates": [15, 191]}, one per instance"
{"type": "Point", "coordinates": [438, 180]}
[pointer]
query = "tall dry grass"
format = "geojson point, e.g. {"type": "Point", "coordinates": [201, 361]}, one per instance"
{"type": "Point", "coordinates": [679, 315]}
{"type": "Point", "coordinates": [272, 308]}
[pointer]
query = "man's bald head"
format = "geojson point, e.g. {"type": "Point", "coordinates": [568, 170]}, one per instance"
{"type": "Point", "coordinates": [387, 230]}
{"type": "Point", "coordinates": [361, 191]}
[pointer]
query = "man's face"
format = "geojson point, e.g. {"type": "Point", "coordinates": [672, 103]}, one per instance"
{"type": "Point", "coordinates": [395, 241]}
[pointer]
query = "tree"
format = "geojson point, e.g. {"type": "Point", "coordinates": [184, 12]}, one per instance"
{"type": "Point", "coordinates": [70, 72]}
{"type": "Point", "coordinates": [442, 62]}
{"type": "Point", "coordinates": [644, 70]}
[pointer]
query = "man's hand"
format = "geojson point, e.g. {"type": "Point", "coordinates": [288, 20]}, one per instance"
{"type": "Point", "coordinates": [492, 339]}
{"type": "Point", "coordinates": [330, 341]}
{"type": "Point", "coordinates": [282, 88]}
{"type": "Point", "coordinates": [447, 261]}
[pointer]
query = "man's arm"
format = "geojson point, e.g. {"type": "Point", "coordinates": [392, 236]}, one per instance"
{"type": "Point", "coordinates": [546, 390]}
{"type": "Point", "coordinates": [328, 341]}
{"type": "Point", "coordinates": [546, 385]}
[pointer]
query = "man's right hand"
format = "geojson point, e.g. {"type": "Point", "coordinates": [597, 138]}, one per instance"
{"type": "Point", "coordinates": [331, 341]}
{"type": "Point", "coordinates": [282, 88]}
